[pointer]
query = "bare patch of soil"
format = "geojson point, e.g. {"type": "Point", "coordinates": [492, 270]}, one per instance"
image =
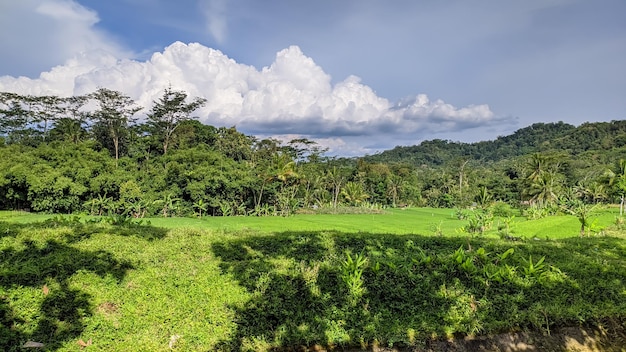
{"type": "Point", "coordinates": [108, 308]}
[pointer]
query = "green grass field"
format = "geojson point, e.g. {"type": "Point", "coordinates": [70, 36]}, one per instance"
{"type": "Point", "coordinates": [257, 283]}
{"type": "Point", "coordinates": [423, 221]}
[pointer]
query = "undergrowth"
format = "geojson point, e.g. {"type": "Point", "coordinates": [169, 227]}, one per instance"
{"type": "Point", "coordinates": [133, 286]}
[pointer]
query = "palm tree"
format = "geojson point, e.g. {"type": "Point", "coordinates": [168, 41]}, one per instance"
{"type": "Point", "coordinates": [617, 180]}
{"type": "Point", "coordinates": [335, 179]}
{"type": "Point", "coordinates": [69, 130]}
{"type": "Point", "coordinates": [544, 189]}
{"type": "Point", "coordinates": [354, 193]}
{"type": "Point", "coordinates": [536, 166]}
{"type": "Point", "coordinates": [583, 212]}
{"type": "Point", "coordinates": [282, 168]}
{"type": "Point", "coordinates": [394, 187]}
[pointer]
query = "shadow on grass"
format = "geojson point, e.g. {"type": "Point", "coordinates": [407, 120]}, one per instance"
{"type": "Point", "coordinates": [75, 230]}
{"type": "Point", "coordinates": [418, 291]}
{"type": "Point", "coordinates": [42, 256]}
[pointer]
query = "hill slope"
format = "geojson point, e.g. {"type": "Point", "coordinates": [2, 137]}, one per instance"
{"type": "Point", "coordinates": [539, 137]}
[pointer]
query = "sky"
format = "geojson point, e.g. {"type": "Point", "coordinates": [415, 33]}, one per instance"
{"type": "Point", "coordinates": [356, 76]}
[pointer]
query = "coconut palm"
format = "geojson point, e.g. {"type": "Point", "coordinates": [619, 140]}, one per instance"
{"type": "Point", "coordinates": [617, 180]}
{"type": "Point", "coordinates": [354, 193]}
{"type": "Point", "coordinates": [545, 188]}
{"type": "Point", "coordinates": [335, 179]}
{"type": "Point", "coordinates": [394, 187]}
{"type": "Point", "coordinates": [583, 212]}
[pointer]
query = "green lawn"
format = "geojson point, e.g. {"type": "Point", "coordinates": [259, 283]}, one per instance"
{"type": "Point", "coordinates": [247, 283]}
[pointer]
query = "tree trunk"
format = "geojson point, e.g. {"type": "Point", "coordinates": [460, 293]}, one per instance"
{"type": "Point", "coordinates": [582, 230]}
{"type": "Point", "coordinates": [116, 144]}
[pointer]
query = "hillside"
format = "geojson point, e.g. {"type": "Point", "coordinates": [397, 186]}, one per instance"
{"type": "Point", "coordinates": [539, 137]}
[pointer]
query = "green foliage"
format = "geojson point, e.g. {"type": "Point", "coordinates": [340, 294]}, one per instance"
{"type": "Point", "coordinates": [535, 212]}
{"type": "Point", "coordinates": [502, 209]}
{"type": "Point", "coordinates": [478, 222]}
{"type": "Point", "coordinates": [583, 212]}
{"type": "Point", "coordinates": [61, 154]}
{"type": "Point", "coordinates": [168, 113]}
{"type": "Point", "coordinates": [352, 275]}
{"type": "Point", "coordinates": [69, 279]}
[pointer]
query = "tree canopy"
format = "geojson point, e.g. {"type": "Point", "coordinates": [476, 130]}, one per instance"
{"type": "Point", "coordinates": [96, 154]}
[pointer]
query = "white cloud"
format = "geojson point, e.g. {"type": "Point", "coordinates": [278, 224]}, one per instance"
{"type": "Point", "coordinates": [214, 12]}
{"type": "Point", "coordinates": [292, 96]}
{"type": "Point", "coordinates": [39, 34]}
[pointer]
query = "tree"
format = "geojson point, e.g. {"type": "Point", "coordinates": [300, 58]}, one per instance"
{"type": "Point", "coordinates": [169, 204]}
{"type": "Point", "coordinates": [394, 187]}
{"type": "Point", "coordinates": [354, 193]}
{"type": "Point", "coordinates": [536, 166]}
{"type": "Point", "coordinates": [583, 212]}
{"type": "Point", "coordinates": [45, 108]}
{"type": "Point", "coordinates": [462, 164]}
{"type": "Point", "coordinates": [233, 143]}
{"type": "Point", "coordinates": [68, 126]}
{"type": "Point", "coordinates": [617, 179]}
{"type": "Point", "coordinates": [168, 113]}
{"type": "Point", "coordinates": [544, 189]}
{"type": "Point", "coordinates": [69, 130]}
{"type": "Point", "coordinates": [12, 114]}
{"type": "Point", "coordinates": [335, 179]}
{"type": "Point", "coordinates": [115, 113]}
{"type": "Point", "coordinates": [302, 149]}
{"type": "Point", "coordinates": [282, 168]}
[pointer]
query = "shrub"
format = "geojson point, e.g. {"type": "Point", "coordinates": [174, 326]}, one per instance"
{"type": "Point", "coordinates": [502, 209]}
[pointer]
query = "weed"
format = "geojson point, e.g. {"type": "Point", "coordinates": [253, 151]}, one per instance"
{"type": "Point", "coordinates": [352, 274]}
{"type": "Point", "coordinates": [437, 228]}
{"type": "Point", "coordinates": [534, 270]}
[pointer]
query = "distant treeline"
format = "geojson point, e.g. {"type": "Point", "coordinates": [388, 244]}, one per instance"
{"type": "Point", "coordinates": [90, 154]}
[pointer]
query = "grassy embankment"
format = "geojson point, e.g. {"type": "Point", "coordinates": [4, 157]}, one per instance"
{"type": "Point", "coordinates": [331, 280]}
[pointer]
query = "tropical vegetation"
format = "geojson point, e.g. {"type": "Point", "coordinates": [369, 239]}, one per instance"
{"type": "Point", "coordinates": [123, 232]}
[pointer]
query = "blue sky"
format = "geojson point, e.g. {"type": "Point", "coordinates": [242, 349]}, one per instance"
{"type": "Point", "coordinates": [359, 76]}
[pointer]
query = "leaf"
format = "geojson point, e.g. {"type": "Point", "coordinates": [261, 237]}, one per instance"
{"type": "Point", "coordinates": [45, 290]}
{"type": "Point", "coordinates": [504, 255]}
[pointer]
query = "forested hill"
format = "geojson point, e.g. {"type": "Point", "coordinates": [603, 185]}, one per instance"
{"type": "Point", "coordinates": [539, 137]}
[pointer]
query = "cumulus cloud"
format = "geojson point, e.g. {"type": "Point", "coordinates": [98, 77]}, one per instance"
{"type": "Point", "coordinates": [39, 34]}
{"type": "Point", "coordinates": [292, 96]}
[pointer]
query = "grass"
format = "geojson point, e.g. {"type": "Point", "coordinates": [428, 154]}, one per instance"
{"type": "Point", "coordinates": [245, 283]}
{"type": "Point", "coordinates": [426, 221]}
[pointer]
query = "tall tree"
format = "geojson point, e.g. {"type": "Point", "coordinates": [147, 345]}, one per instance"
{"type": "Point", "coordinates": [168, 113]}
{"type": "Point", "coordinates": [354, 193]}
{"type": "Point", "coordinates": [335, 179]}
{"type": "Point", "coordinates": [115, 114]}
{"type": "Point", "coordinates": [617, 179]}
{"type": "Point", "coordinates": [69, 126]}
{"type": "Point", "coordinates": [233, 143]}
{"type": "Point", "coordinates": [12, 114]}
{"type": "Point", "coordinates": [44, 109]}
{"type": "Point", "coordinates": [546, 188]}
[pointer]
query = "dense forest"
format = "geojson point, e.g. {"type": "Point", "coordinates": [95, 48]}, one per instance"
{"type": "Point", "coordinates": [91, 154]}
